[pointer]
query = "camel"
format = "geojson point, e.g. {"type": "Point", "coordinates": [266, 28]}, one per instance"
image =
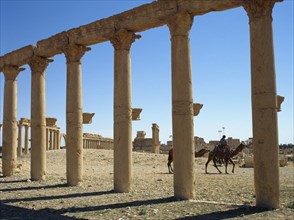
{"type": "Point", "coordinates": [171, 157]}
{"type": "Point", "coordinates": [224, 155]}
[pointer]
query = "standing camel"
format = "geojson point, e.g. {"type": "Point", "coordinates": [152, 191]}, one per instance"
{"type": "Point", "coordinates": [224, 155]}
{"type": "Point", "coordinates": [171, 158]}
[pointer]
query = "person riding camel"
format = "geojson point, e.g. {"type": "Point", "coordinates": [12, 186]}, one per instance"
{"type": "Point", "coordinates": [223, 143]}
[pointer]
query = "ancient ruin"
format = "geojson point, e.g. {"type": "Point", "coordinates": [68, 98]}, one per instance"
{"type": "Point", "coordinates": [121, 31]}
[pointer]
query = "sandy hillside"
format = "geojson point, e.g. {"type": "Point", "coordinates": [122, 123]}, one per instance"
{"type": "Point", "coordinates": [218, 196]}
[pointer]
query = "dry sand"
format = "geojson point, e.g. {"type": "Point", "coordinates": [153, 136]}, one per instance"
{"type": "Point", "coordinates": [218, 196]}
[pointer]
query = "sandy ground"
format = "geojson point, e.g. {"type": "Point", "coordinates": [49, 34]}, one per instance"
{"type": "Point", "coordinates": [218, 196]}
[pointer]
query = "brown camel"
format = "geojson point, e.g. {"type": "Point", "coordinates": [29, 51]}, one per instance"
{"type": "Point", "coordinates": [226, 154]}
{"type": "Point", "coordinates": [171, 157]}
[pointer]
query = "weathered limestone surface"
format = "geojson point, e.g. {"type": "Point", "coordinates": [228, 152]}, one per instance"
{"type": "Point", "coordinates": [121, 42]}
{"type": "Point", "coordinates": [264, 103]}
{"type": "Point", "coordinates": [87, 118]}
{"type": "Point", "coordinates": [38, 66]}
{"type": "Point", "coordinates": [182, 106]}
{"type": "Point", "coordinates": [136, 113]}
{"type": "Point", "coordinates": [9, 120]}
{"type": "Point", "coordinates": [74, 115]}
{"type": "Point", "coordinates": [139, 19]}
{"type": "Point", "coordinates": [50, 121]}
{"type": "Point", "coordinates": [196, 108]}
{"type": "Point", "coordinates": [155, 138]}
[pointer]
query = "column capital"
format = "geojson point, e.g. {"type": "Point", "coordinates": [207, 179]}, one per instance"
{"type": "Point", "coordinates": [74, 52]}
{"type": "Point", "coordinates": [259, 8]}
{"type": "Point", "coordinates": [39, 64]}
{"type": "Point", "coordinates": [180, 24]}
{"type": "Point", "coordinates": [11, 72]}
{"type": "Point", "coordinates": [123, 39]}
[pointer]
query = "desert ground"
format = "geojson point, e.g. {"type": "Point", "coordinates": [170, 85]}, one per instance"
{"type": "Point", "coordinates": [218, 196]}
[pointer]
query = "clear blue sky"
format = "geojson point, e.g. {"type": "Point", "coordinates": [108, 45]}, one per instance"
{"type": "Point", "coordinates": [220, 55]}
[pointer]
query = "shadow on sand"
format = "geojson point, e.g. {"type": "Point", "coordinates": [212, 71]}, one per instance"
{"type": "Point", "coordinates": [12, 212]}
{"type": "Point", "coordinates": [241, 211]}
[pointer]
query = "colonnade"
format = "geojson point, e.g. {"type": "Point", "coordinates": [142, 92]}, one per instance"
{"type": "Point", "coordinates": [53, 138]}
{"type": "Point", "coordinates": [120, 31]}
{"type": "Point", "coordinates": [91, 142]}
{"type": "Point", "coordinates": [23, 122]}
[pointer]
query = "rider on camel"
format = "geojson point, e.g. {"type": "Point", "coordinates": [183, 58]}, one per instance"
{"type": "Point", "coordinates": [222, 143]}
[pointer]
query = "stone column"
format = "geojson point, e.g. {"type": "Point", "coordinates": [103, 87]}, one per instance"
{"type": "Point", "coordinates": [26, 145]}
{"type": "Point", "coordinates": [155, 139]}
{"type": "Point", "coordinates": [54, 139]}
{"type": "Point", "coordinates": [47, 139]}
{"type": "Point", "coordinates": [50, 139]}
{"type": "Point", "coordinates": [74, 115]}
{"type": "Point", "coordinates": [264, 103]}
{"type": "Point", "coordinates": [182, 107]}
{"type": "Point", "coordinates": [122, 110]}
{"type": "Point", "coordinates": [58, 139]}
{"type": "Point", "coordinates": [38, 66]}
{"type": "Point", "coordinates": [19, 142]}
{"type": "Point", "coordinates": [9, 137]}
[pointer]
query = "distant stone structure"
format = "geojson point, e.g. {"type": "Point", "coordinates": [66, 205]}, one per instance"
{"type": "Point", "coordinates": [26, 123]}
{"type": "Point", "coordinates": [96, 141]}
{"type": "Point", "coordinates": [120, 30]}
{"type": "Point", "coordinates": [143, 144]}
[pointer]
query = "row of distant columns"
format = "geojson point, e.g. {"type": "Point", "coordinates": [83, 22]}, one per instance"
{"type": "Point", "coordinates": [52, 138]}
{"type": "Point", "coordinates": [26, 142]}
{"type": "Point", "coordinates": [264, 109]}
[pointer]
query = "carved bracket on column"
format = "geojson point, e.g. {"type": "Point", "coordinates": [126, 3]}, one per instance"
{"type": "Point", "coordinates": [196, 108]}
{"type": "Point", "coordinates": [11, 72]}
{"type": "Point", "coordinates": [180, 24]}
{"type": "Point", "coordinates": [87, 118]}
{"type": "Point", "coordinates": [39, 64]}
{"type": "Point", "coordinates": [136, 114]}
{"type": "Point", "coordinates": [123, 39]}
{"type": "Point", "coordinates": [74, 52]}
{"type": "Point", "coordinates": [25, 121]}
{"type": "Point", "coordinates": [280, 100]}
{"type": "Point", "coordinates": [259, 8]}
{"type": "Point", "coordinates": [50, 122]}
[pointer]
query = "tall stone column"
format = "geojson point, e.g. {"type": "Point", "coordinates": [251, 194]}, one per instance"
{"type": "Point", "coordinates": [47, 138]}
{"type": "Point", "coordinates": [50, 139]}
{"type": "Point", "coordinates": [54, 140]}
{"type": "Point", "coordinates": [122, 110]}
{"type": "Point", "coordinates": [9, 137]}
{"type": "Point", "coordinates": [155, 139]}
{"type": "Point", "coordinates": [19, 142]}
{"type": "Point", "coordinates": [26, 145]}
{"type": "Point", "coordinates": [38, 66]}
{"type": "Point", "coordinates": [264, 103]}
{"type": "Point", "coordinates": [182, 106]}
{"type": "Point", "coordinates": [58, 140]}
{"type": "Point", "coordinates": [74, 115]}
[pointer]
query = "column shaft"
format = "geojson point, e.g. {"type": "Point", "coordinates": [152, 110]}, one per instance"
{"type": "Point", "coordinates": [50, 139]}
{"type": "Point", "coordinates": [19, 143]}
{"type": "Point", "coordinates": [264, 104]}
{"type": "Point", "coordinates": [122, 111]}
{"type": "Point", "coordinates": [38, 118]}
{"type": "Point", "coordinates": [9, 137]}
{"type": "Point", "coordinates": [182, 107]}
{"type": "Point", "coordinates": [74, 115]}
{"type": "Point", "coordinates": [26, 146]}
{"type": "Point", "coordinates": [47, 139]}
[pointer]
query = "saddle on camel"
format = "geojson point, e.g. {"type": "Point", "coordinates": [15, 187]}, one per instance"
{"type": "Point", "coordinates": [223, 154]}
{"type": "Point", "coordinates": [171, 158]}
